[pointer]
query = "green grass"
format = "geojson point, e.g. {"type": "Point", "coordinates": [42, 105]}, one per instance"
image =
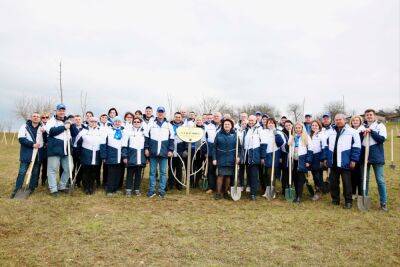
{"type": "Point", "coordinates": [194, 230]}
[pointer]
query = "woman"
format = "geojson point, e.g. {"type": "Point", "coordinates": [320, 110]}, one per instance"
{"type": "Point", "coordinates": [112, 112]}
{"type": "Point", "coordinates": [261, 172]}
{"type": "Point", "coordinates": [356, 173]}
{"type": "Point", "coordinates": [271, 142]}
{"type": "Point", "coordinates": [241, 129]}
{"type": "Point", "coordinates": [110, 152]}
{"type": "Point", "coordinates": [317, 145]}
{"type": "Point", "coordinates": [287, 130]}
{"type": "Point", "coordinates": [225, 157]}
{"type": "Point", "coordinates": [88, 148]}
{"type": "Point", "coordinates": [128, 121]}
{"type": "Point", "coordinates": [302, 157]}
{"type": "Point", "coordinates": [133, 155]}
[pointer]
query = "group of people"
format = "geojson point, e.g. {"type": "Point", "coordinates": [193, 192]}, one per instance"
{"type": "Point", "coordinates": [117, 149]}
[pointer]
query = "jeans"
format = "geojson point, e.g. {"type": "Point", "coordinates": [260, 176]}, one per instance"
{"type": "Point", "coordinates": [23, 168]}
{"type": "Point", "coordinates": [380, 180]}
{"type": "Point", "coordinates": [252, 175]}
{"type": "Point", "coordinates": [154, 163]}
{"type": "Point", "coordinates": [53, 165]}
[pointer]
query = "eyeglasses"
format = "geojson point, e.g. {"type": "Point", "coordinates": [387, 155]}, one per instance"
{"type": "Point", "coordinates": [136, 122]}
{"type": "Point", "coordinates": [45, 117]}
{"type": "Point", "coordinates": [129, 117]}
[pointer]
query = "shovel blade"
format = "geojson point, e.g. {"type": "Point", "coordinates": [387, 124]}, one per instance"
{"type": "Point", "coordinates": [326, 187]}
{"type": "Point", "coordinates": [22, 194]}
{"type": "Point", "coordinates": [363, 203]}
{"type": "Point", "coordinates": [236, 193]}
{"type": "Point", "coordinates": [204, 184]}
{"type": "Point", "coordinates": [289, 194]}
{"type": "Point", "coordinates": [269, 193]}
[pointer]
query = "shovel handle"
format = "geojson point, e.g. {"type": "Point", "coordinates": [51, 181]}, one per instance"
{"type": "Point", "coordinates": [366, 155]}
{"type": "Point", "coordinates": [30, 168]}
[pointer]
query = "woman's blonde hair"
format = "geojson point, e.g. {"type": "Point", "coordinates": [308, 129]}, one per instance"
{"type": "Point", "coordinates": [304, 136]}
{"type": "Point", "coordinates": [356, 117]}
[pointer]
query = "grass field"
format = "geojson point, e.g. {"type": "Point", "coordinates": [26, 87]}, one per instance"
{"type": "Point", "coordinates": [194, 230]}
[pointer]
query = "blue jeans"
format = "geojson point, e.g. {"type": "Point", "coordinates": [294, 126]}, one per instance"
{"type": "Point", "coordinates": [23, 168]}
{"type": "Point", "coordinates": [154, 163]}
{"type": "Point", "coordinates": [53, 166]}
{"type": "Point", "coordinates": [380, 180]}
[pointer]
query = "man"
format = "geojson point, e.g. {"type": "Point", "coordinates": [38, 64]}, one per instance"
{"type": "Point", "coordinates": [148, 115]}
{"type": "Point", "coordinates": [76, 128]}
{"type": "Point", "coordinates": [159, 147]}
{"type": "Point", "coordinates": [180, 148]}
{"type": "Point", "coordinates": [252, 154]}
{"type": "Point", "coordinates": [377, 132]}
{"type": "Point", "coordinates": [326, 122]}
{"type": "Point", "coordinates": [342, 152]}
{"type": "Point", "coordinates": [212, 128]}
{"type": "Point", "coordinates": [259, 117]}
{"type": "Point", "coordinates": [88, 115]}
{"type": "Point", "coordinates": [30, 137]}
{"type": "Point", "coordinates": [44, 118]}
{"type": "Point", "coordinates": [307, 123]}
{"type": "Point", "coordinates": [242, 117]}
{"type": "Point", "coordinates": [282, 123]}
{"type": "Point", "coordinates": [58, 138]}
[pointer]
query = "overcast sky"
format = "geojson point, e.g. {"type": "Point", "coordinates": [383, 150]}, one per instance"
{"type": "Point", "coordinates": [129, 54]}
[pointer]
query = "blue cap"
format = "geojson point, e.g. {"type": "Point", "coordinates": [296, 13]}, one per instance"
{"type": "Point", "coordinates": [327, 114]}
{"type": "Point", "coordinates": [161, 109]}
{"type": "Point", "coordinates": [117, 118]}
{"type": "Point", "coordinates": [258, 113]}
{"type": "Point", "coordinates": [60, 106]}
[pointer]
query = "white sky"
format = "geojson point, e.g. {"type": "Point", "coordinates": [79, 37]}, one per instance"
{"type": "Point", "coordinates": [129, 54]}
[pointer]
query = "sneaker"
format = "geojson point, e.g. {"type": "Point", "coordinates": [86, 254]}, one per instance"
{"type": "Point", "coordinates": [296, 200]}
{"type": "Point", "coordinates": [335, 203]}
{"type": "Point", "coordinates": [209, 191]}
{"type": "Point", "coordinates": [137, 193]}
{"type": "Point", "coordinates": [248, 189]}
{"type": "Point", "coordinates": [12, 195]}
{"type": "Point", "coordinates": [217, 196]}
{"type": "Point", "coordinates": [65, 190]}
{"type": "Point", "coordinates": [316, 197]}
{"type": "Point", "coordinates": [161, 195]}
{"type": "Point", "coordinates": [128, 193]}
{"type": "Point", "coordinates": [384, 207]}
{"type": "Point", "coordinates": [348, 206]}
{"type": "Point", "coordinates": [253, 197]}
{"type": "Point", "coordinates": [54, 194]}
{"type": "Point", "coordinates": [151, 194]}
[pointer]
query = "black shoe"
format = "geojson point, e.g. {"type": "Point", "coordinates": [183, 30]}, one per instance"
{"type": "Point", "coordinates": [226, 196]}
{"type": "Point", "coordinates": [253, 197]}
{"type": "Point", "coordinates": [336, 203]}
{"type": "Point", "coordinates": [12, 195]}
{"type": "Point", "coordinates": [296, 200]}
{"type": "Point", "coordinates": [217, 196]}
{"type": "Point", "coordinates": [54, 194]}
{"type": "Point", "coordinates": [348, 206]}
{"type": "Point", "coordinates": [384, 207]}
{"type": "Point", "coordinates": [65, 191]}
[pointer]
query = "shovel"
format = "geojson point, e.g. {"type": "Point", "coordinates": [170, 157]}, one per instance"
{"type": "Point", "coordinates": [290, 192]}
{"type": "Point", "coordinates": [270, 190]}
{"type": "Point", "coordinates": [70, 164]}
{"type": "Point", "coordinates": [364, 202]}
{"type": "Point", "coordinates": [236, 191]}
{"type": "Point", "coordinates": [23, 193]}
{"type": "Point", "coordinates": [392, 166]}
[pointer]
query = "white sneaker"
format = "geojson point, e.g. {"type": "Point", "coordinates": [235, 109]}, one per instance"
{"type": "Point", "coordinates": [248, 189]}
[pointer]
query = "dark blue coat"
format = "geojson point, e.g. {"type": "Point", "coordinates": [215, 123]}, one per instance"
{"type": "Point", "coordinates": [27, 137]}
{"type": "Point", "coordinates": [224, 148]}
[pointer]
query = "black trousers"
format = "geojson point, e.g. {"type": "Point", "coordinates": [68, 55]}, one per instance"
{"type": "Point", "coordinates": [89, 175]}
{"type": "Point", "coordinates": [98, 174]}
{"type": "Point", "coordinates": [122, 175]}
{"type": "Point", "coordinates": [113, 177]}
{"type": "Point", "coordinates": [133, 171]}
{"type": "Point", "coordinates": [105, 174]}
{"type": "Point", "coordinates": [299, 179]}
{"type": "Point", "coordinates": [336, 173]}
{"type": "Point", "coordinates": [197, 164]}
{"type": "Point", "coordinates": [263, 176]}
{"type": "Point", "coordinates": [177, 169]}
{"type": "Point", "coordinates": [356, 180]}
{"type": "Point", "coordinates": [285, 179]}
{"type": "Point", "coordinates": [212, 175]}
{"type": "Point", "coordinates": [242, 169]}
{"type": "Point", "coordinates": [44, 170]}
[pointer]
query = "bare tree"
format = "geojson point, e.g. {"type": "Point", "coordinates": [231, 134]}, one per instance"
{"type": "Point", "coordinates": [334, 107]}
{"type": "Point", "coordinates": [296, 111]}
{"type": "Point", "coordinates": [83, 103]}
{"type": "Point", "coordinates": [60, 87]}
{"type": "Point", "coordinates": [170, 105]}
{"type": "Point", "coordinates": [264, 108]}
{"type": "Point", "coordinates": [26, 105]}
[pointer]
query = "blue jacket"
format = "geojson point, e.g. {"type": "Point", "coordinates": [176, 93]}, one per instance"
{"type": "Point", "coordinates": [317, 147]}
{"type": "Point", "coordinates": [224, 149]}
{"type": "Point", "coordinates": [179, 145]}
{"type": "Point", "coordinates": [304, 153]}
{"type": "Point", "coordinates": [111, 145]}
{"type": "Point", "coordinates": [87, 145]}
{"type": "Point", "coordinates": [161, 138]}
{"type": "Point", "coordinates": [251, 151]}
{"type": "Point", "coordinates": [272, 141]}
{"type": "Point", "coordinates": [378, 136]}
{"type": "Point", "coordinates": [348, 147]}
{"type": "Point", "coordinates": [27, 137]}
{"type": "Point", "coordinates": [133, 147]}
{"type": "Point", "coordinates": [57, 137]}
